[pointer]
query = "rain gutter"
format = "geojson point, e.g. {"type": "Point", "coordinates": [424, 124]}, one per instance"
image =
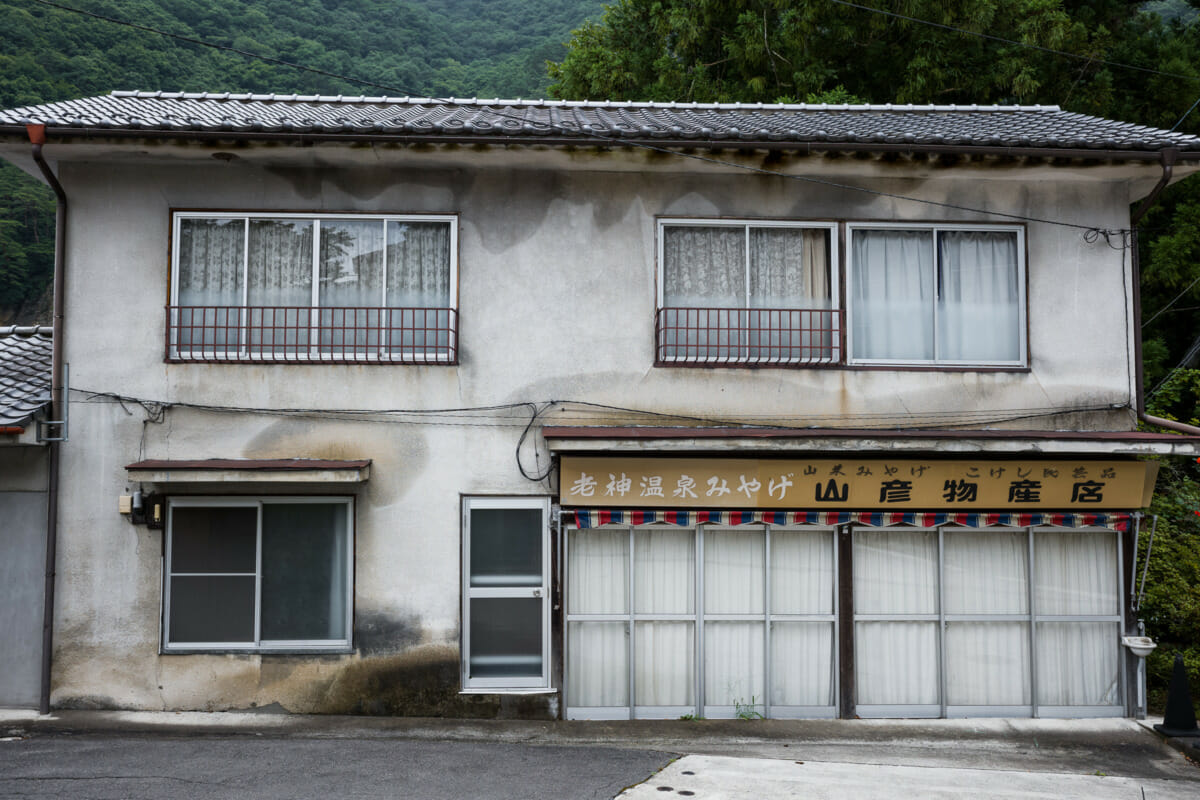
{"type": "Point", "coordinates": [37, 137]}
{"type": "Point", "coordinates": [1168, 160]}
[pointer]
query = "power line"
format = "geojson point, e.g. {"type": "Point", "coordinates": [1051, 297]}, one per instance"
{"type": "Point", "coordinates": [576, 410]}
{"type": "Point", "coordinates": [1173, 302]}
{"type": "Point", "coordinates": [994, 38]}
{"type": "Point", "coordinates": [583, 131]}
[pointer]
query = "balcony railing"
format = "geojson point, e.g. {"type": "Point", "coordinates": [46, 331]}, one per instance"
{"type": "Point", "coordinates": [291, 334]}
{"type": "Point", "coordinates": [724, 337]}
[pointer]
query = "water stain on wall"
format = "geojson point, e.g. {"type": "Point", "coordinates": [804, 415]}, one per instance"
{"type": "Point", "coordinates": [398, 452]}
{"type": "Point", "coordinates": [500, 220]}
{"type": "Point", "coordinates": [376, 633]}
{"type": "Point", "coordinates": [422, 682]}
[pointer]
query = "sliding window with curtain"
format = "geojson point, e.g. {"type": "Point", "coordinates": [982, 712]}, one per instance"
{"type": "Point", "coordinates": [294, 287]}
{"type": "Point", "coordinates": [937, 295]}
{"type": "Point", "coordinates": [747, 293]}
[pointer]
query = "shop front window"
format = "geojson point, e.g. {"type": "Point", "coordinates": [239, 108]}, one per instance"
{"type": "Point", "coordinates": [719, 622]}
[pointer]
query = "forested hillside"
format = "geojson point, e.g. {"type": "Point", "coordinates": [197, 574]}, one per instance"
{"type": "Point", "coordinates": [437, 48]}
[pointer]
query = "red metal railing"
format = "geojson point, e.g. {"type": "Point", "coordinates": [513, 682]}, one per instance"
{"type": "Point", "coordinates": [718, 337]}
{"type": "Point", "coordinates": [289, 334]}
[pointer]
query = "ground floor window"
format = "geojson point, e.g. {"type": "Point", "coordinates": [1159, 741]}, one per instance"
{"type": "Point", "coordinates": [506, 611]}
{"type": "Point", "coordinates": [708, 621]}
{"type": "Point", "coordinates": [951, 622]}
{"type": "Point", "coordinates": [271, 573]}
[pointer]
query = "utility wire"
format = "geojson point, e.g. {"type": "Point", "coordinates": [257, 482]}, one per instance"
{"type": "Point", "coordinates": [583, 131]}
{"type": "Point", "coordinates": [1183, 362]}
{"type": "Point", "coordinates": [538, 410]}
{"type": "Point", "coordinates": [1185, 115]}
{"type": "Point", "coordinates": [1003, 40]}
{"type": "Point", "coordinates": [1173, 302]}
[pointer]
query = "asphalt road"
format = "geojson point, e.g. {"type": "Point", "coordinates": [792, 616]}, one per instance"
{"type": "Point", "coordinates": [104, 767]}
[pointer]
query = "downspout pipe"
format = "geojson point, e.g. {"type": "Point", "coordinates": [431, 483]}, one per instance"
{"type": "Point", "coordinates": [1168, 159]}
{"type": "Point", "coordinates": [37, 137]}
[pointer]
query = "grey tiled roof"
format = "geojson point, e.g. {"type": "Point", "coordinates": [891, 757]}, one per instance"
{"type": "Point", "coordinates": [167, 113]}
{"type": "Point", "coordinates": [24, 372]}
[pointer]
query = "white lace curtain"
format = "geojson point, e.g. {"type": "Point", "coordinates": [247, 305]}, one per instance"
{"type": "Point", "coordinates": [278, 255]}
{"type": "Point", "coordinates": [740, 267]}
{"type": "Point", "coordinates": [766, 288]}
{"type": "Point", "coordinates": [971, 289]}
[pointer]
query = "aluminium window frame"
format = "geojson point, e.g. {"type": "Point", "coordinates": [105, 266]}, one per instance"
{"type": "Point", "coordinates": [503, 685]}
{"type": "Point", "coordinates": [343, 645]}
{"type": "Point", "coordinates": [746, 223]}
{"type": "Point", "coordinates": [934, 228]}
{"type": "Point", "coordinates": [312, 353]}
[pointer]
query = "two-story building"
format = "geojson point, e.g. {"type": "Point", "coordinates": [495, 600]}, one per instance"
{"type": "Point", "coordinates": [597, 410]}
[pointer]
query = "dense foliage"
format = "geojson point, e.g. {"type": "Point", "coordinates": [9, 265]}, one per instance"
{"type": "Point", "coordinates": [492, 48]}
{"type": "Point", "coordinates": [1171, 607]}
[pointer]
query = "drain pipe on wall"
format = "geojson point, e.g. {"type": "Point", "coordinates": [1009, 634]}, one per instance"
{"type": "Point", "coordinates": [58, 409]}
{"type": "Point", "coordinates": [1168, 158]}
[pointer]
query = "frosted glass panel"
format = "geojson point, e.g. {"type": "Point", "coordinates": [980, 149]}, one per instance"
{"type": "Point", "coordinates": [801, 663]}
{"type": "Point", "coordinates": [599, 664]}
{"type": "Point", "coordinates": [801, 572]}
{"type": "Point", "coordinates": [733, 572]}
{"type": "Point", "coordinates": [506, 547]}
{"type": "Point", "coordinates": [897, 663]}
{"type": "Point", "coordinates": [1076, 573]}
{"type": "Point", "coordinates": [1077, 664]}
{"type": "Point", "coordinates": [664, 578]}
{"type": "Point", "coordinates": [987, 663]}
{"type": "Point", "coordinates": [665, 664]}
{"type": "Point", "coordinates": [506, 637]}
{"type": "Point", "coordinates": [895, 572]}
{"type": "Point", "coordinates": [598, 572]}
{"type": "Point", "coordinates": [733, 664]}
{"type": "Point", "coordinates": [986, 573]}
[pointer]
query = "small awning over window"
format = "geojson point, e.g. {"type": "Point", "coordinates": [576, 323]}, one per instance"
{"type": "Point", "coordinates": [250, 470]}
{"type": "Point", "coordinates": [595, 517]}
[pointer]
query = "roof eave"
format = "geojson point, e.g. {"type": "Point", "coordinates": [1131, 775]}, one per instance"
{"type": "Point", "coordinates": [64, 134]}
{"type": "Point", "coordinates": [986, 443]}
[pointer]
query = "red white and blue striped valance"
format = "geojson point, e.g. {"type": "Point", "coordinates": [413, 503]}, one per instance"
{"type": "Point", "coordinates": [595, 517]}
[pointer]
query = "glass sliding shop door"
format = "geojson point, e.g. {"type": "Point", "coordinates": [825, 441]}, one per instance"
{"type": "Point", "coordinates": [968, 623]}
{"type": "Point", "coordinates": [718, 622]}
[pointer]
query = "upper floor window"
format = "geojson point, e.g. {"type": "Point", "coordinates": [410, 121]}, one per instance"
{"type": "Point", "coordinates": [741, 292]}
{"type": "Point", "coordinates": [307, 287]}
{"type": "Point", "coordinates": [936, 294]}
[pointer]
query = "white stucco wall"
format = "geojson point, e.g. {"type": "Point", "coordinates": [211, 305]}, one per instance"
{"type": "Point", "coordinates": [557, 298]}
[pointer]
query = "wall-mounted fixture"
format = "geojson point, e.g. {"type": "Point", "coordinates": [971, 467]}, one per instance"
{"type": "Point", "coordinates": [143, 509]}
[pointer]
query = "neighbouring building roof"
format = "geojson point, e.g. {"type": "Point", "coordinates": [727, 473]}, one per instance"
{"type": "Point", "coordinates": [24, 372]}
{"type": "Point", "coordinates": [955, 128]}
